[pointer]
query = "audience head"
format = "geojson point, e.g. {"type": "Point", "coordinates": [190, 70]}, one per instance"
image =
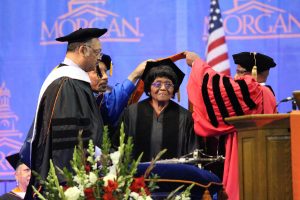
{"type": "Point", "coordinates": [22, 172]}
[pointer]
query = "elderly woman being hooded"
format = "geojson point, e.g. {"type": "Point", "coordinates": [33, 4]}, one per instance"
{"type": "Point", "coordinates": [157, 122]}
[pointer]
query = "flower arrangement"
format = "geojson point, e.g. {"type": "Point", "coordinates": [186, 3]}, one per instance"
{"type": "Point", "coordinates": [109, 176]}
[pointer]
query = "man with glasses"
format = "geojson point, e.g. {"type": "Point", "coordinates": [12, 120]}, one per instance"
{"type": "Point", "coordinates": [245, 62]}
{"type": "Point", "coordinates": [67, 106]}
{"type": "Point", "coordinates": [22, 176]}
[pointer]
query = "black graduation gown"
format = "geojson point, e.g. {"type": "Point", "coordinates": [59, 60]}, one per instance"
{"type": "Point", "coordinates": [67, 106]}
{"type": "Point", "coordinates": [172, 130]}
{"type": "Point", "coordinates": [10, 196]}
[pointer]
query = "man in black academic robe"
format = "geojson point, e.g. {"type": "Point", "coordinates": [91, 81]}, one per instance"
{"type": "Point", "coordinates": [67, 106]}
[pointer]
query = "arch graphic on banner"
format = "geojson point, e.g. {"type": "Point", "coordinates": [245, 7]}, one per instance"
{"type": "Point", "coordinates": [9, 136]}
{"type": "Point", "coordinates": [82, 14]}
{"type": "Point", "coordinates": [257, 20]}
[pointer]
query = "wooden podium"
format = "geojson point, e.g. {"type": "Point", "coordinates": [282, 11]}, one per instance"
{"type": "Point", "coordinates": [264, 151]}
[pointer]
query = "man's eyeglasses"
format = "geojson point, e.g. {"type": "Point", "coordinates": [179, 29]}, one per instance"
{"type": "Point", "coordinates": [240, 71]}
{"type": "Point", "coordinates": [97, 52]}
{"type": "Point", "coordinates": [158, 85]}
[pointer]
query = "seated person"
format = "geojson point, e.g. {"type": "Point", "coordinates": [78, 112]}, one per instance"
{"type": "Point", "coordinates": [22, 175]}
{"type": "Point", "coordinates": [157, 122]}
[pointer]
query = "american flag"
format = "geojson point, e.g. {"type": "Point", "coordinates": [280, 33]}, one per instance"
{"type": "Point", "coordinates": [217, 52]}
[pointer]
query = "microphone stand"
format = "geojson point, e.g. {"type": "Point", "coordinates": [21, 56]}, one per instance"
{"type": "Point", "coordinates": [294, 105]}
{"type": "Point", "coordinates": [196, 159]}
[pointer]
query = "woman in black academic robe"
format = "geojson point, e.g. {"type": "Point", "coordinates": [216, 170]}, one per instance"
{"type": "Point", "coordinates": [157, 122]}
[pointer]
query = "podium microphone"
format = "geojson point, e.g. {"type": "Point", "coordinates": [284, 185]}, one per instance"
{"type": "Point", "coordinates": [285, 100]}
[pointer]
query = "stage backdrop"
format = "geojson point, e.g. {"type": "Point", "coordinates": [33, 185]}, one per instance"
{"type": "Point", "coordinates": [137, 30]}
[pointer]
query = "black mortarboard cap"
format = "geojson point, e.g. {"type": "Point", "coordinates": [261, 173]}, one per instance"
{"type": "Point", "coordinates": [164, 62]}
{"type": "Point", "coordinates": [150, 65]}
{"type": "Point", "coordinates": [106, 59]}
{"type": "Point", "coordinates": [14, 160]}
{"type": "Point", "coordinates": [247, 60]}
{"type": "Point", "coordinates": [82, 35]}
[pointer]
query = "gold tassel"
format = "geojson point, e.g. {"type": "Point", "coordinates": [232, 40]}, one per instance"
{"type": "Point", "coordinates": [254, 69]}
{"type": "Point", "coordinates": [111, 69]}
{"type": "Point", "coordinates": [254, 72]}
{"type": "Point", "coordinates": [206, 195]}
{"type": "Point", "coordinates": [178, 95]}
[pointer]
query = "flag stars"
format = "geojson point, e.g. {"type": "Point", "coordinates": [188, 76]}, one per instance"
{"type": "Point", "coordinates": [216, 11]}
{"type": "Point", "coordinates": [214, 51]}
{"type": "Point", "coordinates": [215, 17]}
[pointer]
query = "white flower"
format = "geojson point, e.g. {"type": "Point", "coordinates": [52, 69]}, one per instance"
{"type": "Point", "coordinates": [148, 198]}
{"type": "Point", "coordinates": [115, 157]}
{"type": "Point", "coordinates": [76, 179]}
{"type": "Point", "coordinates": [136, 196]}
{"type": "Point", "coordinates": [72, 193]}
{"type": "Point", "coordinates": [95, 166]}
{"type": "Point", "coordinates": [113, 170]}
{"type": "Point", "coordinates": [182, 197]}
{"type": "Point", "coordinates": [93, 178]}
{"type": "Point", "coordinates": [109, 177]}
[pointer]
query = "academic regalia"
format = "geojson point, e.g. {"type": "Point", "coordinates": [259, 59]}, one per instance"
{"type": "Point", "coordinates": [16, 193]}
{"type": "Point", "coordinates": [270, 88]}
{"type": "Point", "coordinates": [10, 196]}
{"type": "Point", "coordinates": [214, 97]}
{"type": "Point", "coordinates": [172, 129]}
{"type": "Point", "coordinates": [113, 103]}
{"type": "Point", "coordinates": [249, 59]}
{"type": "Point", "coordinates": [66, 106]}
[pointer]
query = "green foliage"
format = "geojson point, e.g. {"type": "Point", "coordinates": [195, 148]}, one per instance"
{"type": "Point", "coordinates": [93, 174]}
{"type": "Point", "coordinates": [52, 188]}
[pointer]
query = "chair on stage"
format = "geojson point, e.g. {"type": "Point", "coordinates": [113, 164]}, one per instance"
{"type": "Point", "coordinates": [172, 176]}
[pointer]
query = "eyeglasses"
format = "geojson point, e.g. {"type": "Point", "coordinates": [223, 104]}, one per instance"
{"type": "Point", "coordinates": [240, 71]}
{"type": "Point", "coordinates": [159, 84]}
{"type": "Point", "coordinates": [97, 52]}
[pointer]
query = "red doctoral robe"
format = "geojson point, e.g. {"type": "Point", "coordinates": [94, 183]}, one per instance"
{"type": "Point", "coordinates": [214, 97]}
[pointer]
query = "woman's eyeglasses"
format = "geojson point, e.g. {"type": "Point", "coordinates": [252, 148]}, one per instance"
{"type": "Point", "coordinates": [158, 85]}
